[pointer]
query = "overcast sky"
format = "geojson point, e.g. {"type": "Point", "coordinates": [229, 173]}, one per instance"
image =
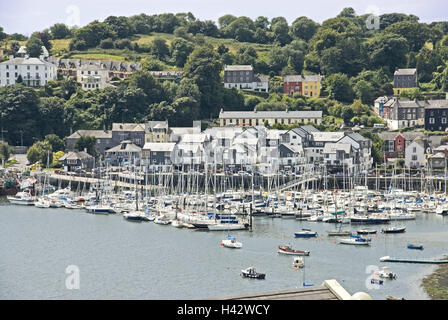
{"type": "Point", "coordinates": [26, 16]}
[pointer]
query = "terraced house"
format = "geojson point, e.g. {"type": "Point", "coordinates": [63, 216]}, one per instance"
{"type": "Point", "coordinates": [258, 118]}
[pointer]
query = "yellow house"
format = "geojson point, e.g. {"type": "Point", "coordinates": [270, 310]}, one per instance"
{"type": "Point", "coordinates": [156, 131]}
{"type": "Point", "coordinates": [311, 85]}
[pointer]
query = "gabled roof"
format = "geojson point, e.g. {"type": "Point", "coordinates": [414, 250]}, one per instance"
{"type": "Point", "coordinates": [302, 78]}
{"type": "Point", "coordinates": [128, 126]}
{"type": "Point", "coordinates": [327, 136]}
{"type": "Point", "coordinates": [269, 114]}
{"type": "Point", "coordinates": [293, 148]}
{"type": "Point", "coordinates": [405, 72]}
{"type": "Point", "coordinates": [99, 134]}
{"type": "Point", "coordinates": [238, 68]}
{"type": "Point", "coordinates": [125, 146]}
{"type": "Point", "coordinates": [159, 147]}
{"type": "Point", "coordinates": [76, 155]}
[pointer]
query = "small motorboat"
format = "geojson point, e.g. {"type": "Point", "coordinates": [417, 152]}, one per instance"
{"type": "Point", "coordinates": [413, 246]}
{"type": "Point", "coordinates": [289, 251]}
{"type": "Point", "coordinates": [366, 231]}
{"type": "Point", "coordinates": [376, 281]}
{"type": "Point", "coordinates": [231, 242]}
{"type": "Point", "coordinates": [394, 230]}
{"type": "Point", "coordinates": [298, 263]}
{"type": "Point", "coordinates": [252, 274]}
{"type": "Point", "coordinates": [305, 233]}
{"type": "Point", "coordinates": [162, 220]}
{"type": "Point", "coordinates": [134, 216]}
{"type": "Point", "coordinates": [386, 273]}
{"type": "Point", "coordinates": [177, 223]}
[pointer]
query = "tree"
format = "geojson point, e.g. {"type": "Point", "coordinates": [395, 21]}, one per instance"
{"type": "Point", "coordinates": [415, 33]}
{"type": "Point", "coordinates": [5, 152]}
{"type": "Point", "coordinates": [388, 50]}
{"type": "Point", "coordinates": [339, 88]}
{"type": "Point", "coordinates": [40, 152]}
{"type": "Point", "coordinates": [52, 110]}
{"type": "Point", "coordinates": [60, 31]}
{"type": "Point", "coordinates": [159, 48]}
{"type": "Point", "coordinates": [347, 13]}
{"type": "Point", "coordinates": [87, 143]}
{"type": "Point", "coordinates": [303, 28]}
{"type": "Point", "coordinates": [281, 32]}
{"type": "Point", "coordinates": [120, 26]}
{"type": "Point", "coordinates": [365, 91]}
{"type": "Point", "coordinates": [34, 47]}
{"type": "Point", "coordinates": [180, 50]}
{"type": "Point", "coordinates": [225, 20]}
{"type": "Point", "coordinates": [204, 67]}
{"type": "Point", "coordinates": [57, 144]}
{"type": "Point", "coordinates": [19, 110]}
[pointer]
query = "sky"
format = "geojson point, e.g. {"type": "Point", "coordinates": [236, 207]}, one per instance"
{"type": "Point", "coordinates": [27, 16]}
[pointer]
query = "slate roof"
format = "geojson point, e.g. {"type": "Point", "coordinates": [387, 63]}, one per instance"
{"type": "Point", "coordinates": [76, 155]}
{"type": "Point", "coordinates": [269, 114]}
{"type": "Point", "coordinates": [99, 134]}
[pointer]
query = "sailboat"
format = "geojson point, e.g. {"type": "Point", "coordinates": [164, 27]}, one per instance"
{"type": "Point", "coordinates": [230, 242]}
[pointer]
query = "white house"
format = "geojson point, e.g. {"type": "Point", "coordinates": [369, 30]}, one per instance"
{"type": "Point", "coordinates": [92, 77]}
{"type": "Point", "coordinates": [34, 72]}
{"type": "Point", "coordinates": [414, 155]}
{"type": "Point", "coordinates": [242, 77]}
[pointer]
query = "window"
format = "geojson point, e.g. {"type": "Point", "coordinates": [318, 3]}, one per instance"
{"type": "Point", "coordinates": [414, 150]}
{"type": "Point", "coordinates": [15, 67]}
{"type": "Point", "coordinates": [443, 120]}
{"type": "Point", "coordinates": [431, 120]}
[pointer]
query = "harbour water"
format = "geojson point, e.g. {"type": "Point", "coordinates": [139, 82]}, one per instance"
{"type": "Point", "coordinates": [118, 259]}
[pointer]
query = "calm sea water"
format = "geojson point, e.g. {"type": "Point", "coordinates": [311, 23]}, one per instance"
{"type": "Point", "coordinates": [118, 259]}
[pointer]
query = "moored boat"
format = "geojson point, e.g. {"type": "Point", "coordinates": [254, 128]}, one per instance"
{"type": "Point", "coordinates": [366, 231]}
{"type": "Point", "coordinates": [305, 233]}
{"type": "Point", "coordinates": [289, 251]}
{"type": "Point", "coordinates": [355, 240]}
{"type": "Point", "coordinates": [231, 242]}
{"type": "Point", "coordinates": [252, 274]}
{"type": "Point", "coordinates": [298, 263]}
{"type": "Point", "coordinates": [394, 230]}
{"type": "Point", "coordinates": [413, 246]}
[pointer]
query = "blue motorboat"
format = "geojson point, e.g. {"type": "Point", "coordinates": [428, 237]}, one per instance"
{"type": "Point", "coordinates": [413, 246]}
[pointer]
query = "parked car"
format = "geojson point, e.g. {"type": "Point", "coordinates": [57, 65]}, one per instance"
{"type": "Point", "coordinates": [80, 171]}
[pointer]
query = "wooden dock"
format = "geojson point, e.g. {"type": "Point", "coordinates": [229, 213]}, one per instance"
{"type": "Point", "coordinates": [418, 261]}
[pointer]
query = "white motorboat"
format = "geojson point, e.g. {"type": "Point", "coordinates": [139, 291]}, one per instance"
{"type": "Point", "coordinates": [231, 242]}
{"type": "Point", "coordinates": [161, 220]}
{"type": "Point", "coordinates": [22, 198]}
{"type": "Point", "coordinates": [42, 203]}
{"type": "Point", "coordinates": [135, 216]}
{"type": "Point", "coordinates": [177, 223]}
{"type": "Point", "coordinates": [298, 263]}
{"type": "Point", "coordinates": [386, 273]}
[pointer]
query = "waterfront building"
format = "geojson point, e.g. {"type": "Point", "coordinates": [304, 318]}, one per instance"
{"type": "Point", "coordinates": [156, 131]}
{"type": "Point", "coordinates": [158, 156]}
{"type": "Point", "coordinates": [103, 139]}
{"type": "Point", "coordinates": [33, 71]}
{"type": "Point", "coordinates": [404, 79]}
{"type": "Point", "coordinates": [258, 118]}
{"type": "Point", "coordinates": [395, 143]}
{"type": "Point", "coordinates": [124, 154]}
{"type": "Point", "coordinates": [305, 85]}
{"type": "Point", "coordinates": [415, 154]}
{"type": "Point", "coordinates": [73, 160]}
{"type": "Point", "coordinates": [135, 132]}
{"type": "Point", "coordinates": [242, 77]}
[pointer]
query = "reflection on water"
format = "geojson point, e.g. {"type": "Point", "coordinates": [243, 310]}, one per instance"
{"type": "Point", "coordinates": [123, 260]}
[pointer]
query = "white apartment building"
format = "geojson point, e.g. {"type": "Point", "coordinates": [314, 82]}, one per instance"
{"type": "Point", "coordinates": [34, 72]}
{"type": "Point", "coordinates": [92, 77]}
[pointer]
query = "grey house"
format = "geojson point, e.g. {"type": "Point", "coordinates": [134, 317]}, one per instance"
{"type": "Point", "coordinates": [77, 160]}
{"type": "Point", "coordinates": [404, 79]}
{"type": "Point", "coordinates": [103, 139]}
{"type": "Point", "coordinates": [124, 153]}
{"type": "Point", "coordinates": [135, 132]}
{"type": "Point", "coordinates": [158, 154]}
